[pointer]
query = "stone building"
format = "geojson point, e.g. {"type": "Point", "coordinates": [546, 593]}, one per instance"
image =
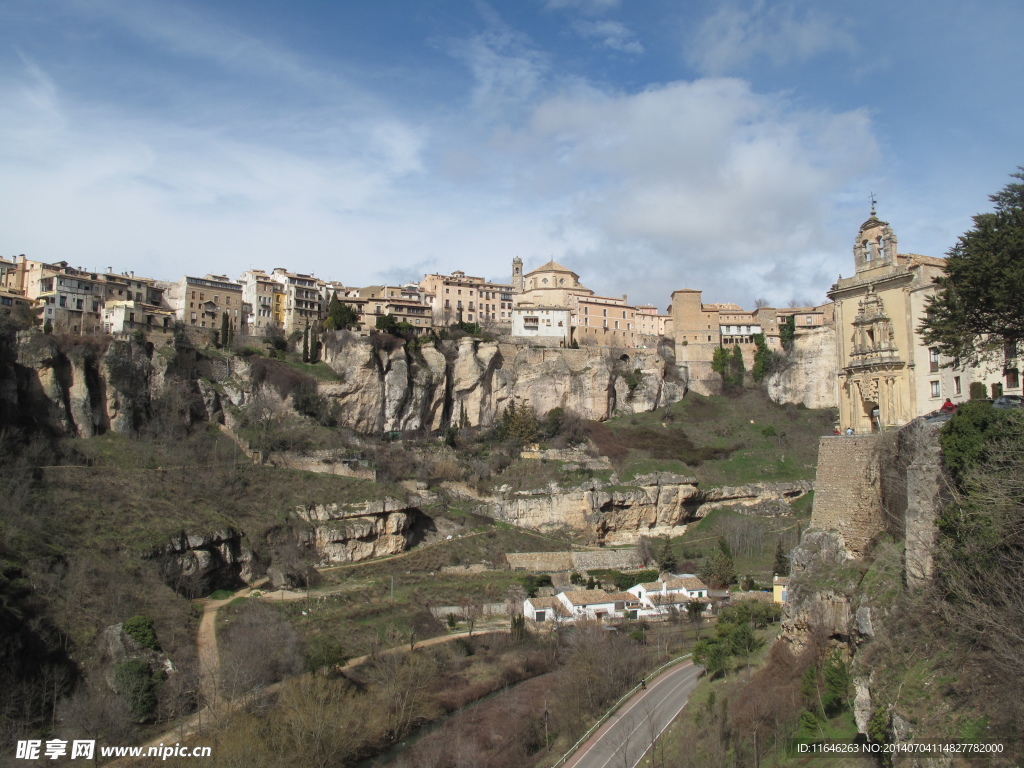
{"type": "Point", "coordinates": [204, 302]}
{"type": "Point", "coordinates": [699, 329]}
{"type": "Point", "coordinates": [462, 298]}
{"type": "Point", "coordinates": [405, 303]}
{"type": "Point", "coordinates": [887, 375]}
{"type": "Point", "coordinates": [303, 299]}
{"type": "Point", "coordinates": [603, 321]}
{"type": "Point", "coordinates": [266, 299]}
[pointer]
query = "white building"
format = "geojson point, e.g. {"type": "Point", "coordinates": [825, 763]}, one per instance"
{"type": "Point", "coordinates": [548, 326]}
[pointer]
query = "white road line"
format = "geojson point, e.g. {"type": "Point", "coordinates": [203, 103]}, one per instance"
{"type": "Point", "coordinates": [625, 740]}
{"type": "Point", "coordinates": [665, 726]}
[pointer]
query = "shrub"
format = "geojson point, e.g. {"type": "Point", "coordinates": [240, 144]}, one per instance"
{"type": "Point", "coordinates": [978, 390]}
{"type": "Point", "coordinates": [140, 629]}
{"type": "Point", "coordinates": [135, 681]}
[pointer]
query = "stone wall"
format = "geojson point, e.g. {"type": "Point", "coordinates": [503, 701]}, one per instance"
{"type": "Point", "coordinates": [540, 562]}
{"type": "Point", "coordinates": [925, 486]}
{"type": "Point", "coordinates": [847, 490]}
{"type": "Point", "coordinates": [584, 560]}
{"type": "Point", "coordinates": [619, 559]}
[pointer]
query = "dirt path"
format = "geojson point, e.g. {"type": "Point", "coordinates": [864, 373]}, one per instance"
{"type": "Point", "coordinates": [209, 664]}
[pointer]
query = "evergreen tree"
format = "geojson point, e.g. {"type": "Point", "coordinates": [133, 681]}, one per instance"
{"type": "Point", "coordinates": [224, 329]}
{"type": "Point", "coordinates": [762, 358]}
{"type": "Point", "coordinates": [979, 306]}
{"type": "Point", "coordinates": [736, 367]}
{"type": "Point", "coordinates": [781, 567]}
{"type": "Point", "coordinates": [340, 316]}
{"type": "Point", "coordinates": [667, 556]}
{"type": "Point", "coordinates": [305, 344]}
{"type": "Point", "coordinates": [314, 343]}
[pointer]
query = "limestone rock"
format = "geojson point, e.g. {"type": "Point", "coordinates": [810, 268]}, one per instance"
{"type": "Point", "coordinates": [652, 505]}
{"type": "Point", "coordinates": [197, 563]}
{"type": "Point", "coordinates": [862, 703]}
{"type": "Point", "coordinates": [809, 372]}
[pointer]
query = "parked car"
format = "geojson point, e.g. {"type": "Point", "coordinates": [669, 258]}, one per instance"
{"type": "Point", "coordinates": [1009, 401]}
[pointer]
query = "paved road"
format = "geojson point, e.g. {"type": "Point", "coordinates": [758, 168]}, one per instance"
{"type": "Point", "coordinates": [628, 734]}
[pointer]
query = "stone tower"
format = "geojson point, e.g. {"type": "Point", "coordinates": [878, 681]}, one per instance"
{"type": "Point", "coordinates": [517, 275]}
{"type": "Point", "coordinates": [875, 245]}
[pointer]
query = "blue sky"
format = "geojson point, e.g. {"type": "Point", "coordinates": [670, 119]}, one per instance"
{"type": "Point", "coordinates": [648, 145]}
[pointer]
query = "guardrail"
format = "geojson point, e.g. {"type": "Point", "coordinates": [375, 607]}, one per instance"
{"type": "Point", "coordinates": [562, 760]}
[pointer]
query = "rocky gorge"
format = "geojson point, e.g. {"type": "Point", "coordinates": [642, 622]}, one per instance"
{"type": "Point", "coordinates": [83, 386]}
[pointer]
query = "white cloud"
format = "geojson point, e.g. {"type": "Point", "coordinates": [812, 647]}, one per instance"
{"type": "Point", "coordinates": [705, 183]}
{"type": "Point", "coordinates": [612, 34]}
{"type": "Point", "coordinates": [736, 35]}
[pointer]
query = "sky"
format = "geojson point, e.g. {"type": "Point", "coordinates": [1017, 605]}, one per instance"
{"type": "Point", "coordinates": [730, 146]}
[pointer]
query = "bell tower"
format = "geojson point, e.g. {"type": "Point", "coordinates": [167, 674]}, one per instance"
{"type": "Point", "coordinates": [875, 245]}
{"type": "Point", "coordinates": [517, 275]}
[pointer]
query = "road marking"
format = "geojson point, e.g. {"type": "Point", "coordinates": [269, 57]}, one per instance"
{"type": "Point", "coordinates": [632, 705]}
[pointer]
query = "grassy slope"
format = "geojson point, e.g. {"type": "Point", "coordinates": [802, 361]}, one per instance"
{"type": "Point", "coordinates": [772, 442]}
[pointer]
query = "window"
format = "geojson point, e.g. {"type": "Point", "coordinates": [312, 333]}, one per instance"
{"type": "Point", "coordinates": [956, 385]}
{"type": "Point", "coordinates": [933, 359]}
{"type": "Point", "coordinates": [935, 389]}
{"type": "Point", "coordinates": [1012, 379]}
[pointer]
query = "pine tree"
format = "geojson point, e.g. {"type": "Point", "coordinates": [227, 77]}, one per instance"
{"type": "Point", "coordinates": [667, 557]}
{"type": "Point", "coordinates": [781, 567]}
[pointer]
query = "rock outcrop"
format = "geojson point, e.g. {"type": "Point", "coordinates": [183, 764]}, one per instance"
{"type": "Point", "coordinates": [83, 386]}
{"type": "Point", "coordinates": [808, 374]}
{"type": "Point", "coordinates": [470, 382]}
{"type": "Point", "coordinates": [651, 505]}
{"type": "Point", "coordinates": [196, 564]}
{"type": "Point", "coordinates": [346, 534]}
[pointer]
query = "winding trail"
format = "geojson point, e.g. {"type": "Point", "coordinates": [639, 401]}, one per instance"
{"type": "Point", "coordinates": [209, 665]}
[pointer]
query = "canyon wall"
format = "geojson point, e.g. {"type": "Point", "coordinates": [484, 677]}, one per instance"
{"type": "Point", "coordinates": [83, 386]}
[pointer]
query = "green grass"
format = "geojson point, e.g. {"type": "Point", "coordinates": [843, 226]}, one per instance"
{"type": "Point", "coordinates": [701, 540]}
{"type": "Point", "coordinates": [320, 371]}
{"type": "Point", "coordinates": [764, 441]}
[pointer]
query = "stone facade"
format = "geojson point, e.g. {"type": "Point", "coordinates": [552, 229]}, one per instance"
{"type": "Point", "coordinates": [887, 375]}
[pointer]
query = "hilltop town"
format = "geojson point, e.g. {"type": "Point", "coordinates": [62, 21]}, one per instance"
{"type": "Point", "coordinates": [861, 352]}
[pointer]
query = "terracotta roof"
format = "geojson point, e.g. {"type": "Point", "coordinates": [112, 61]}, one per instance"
{"type": "Point", "coordinates": [652, 586]}
{"type": "Point", "coordinates": [589, 597]}
{"type": "Point", "coordinates": [544, 602]}
{"type": "Point", "coordinates": [626, 596]}
{"type": "Point", "coordinates": [551, 266]}
{"type": "Point", "coordinates": [782, 581]}
{"type": "Point", "coordinates": [928, 261]}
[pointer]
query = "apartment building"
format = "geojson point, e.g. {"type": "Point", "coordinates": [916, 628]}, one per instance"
{"type": "Point", "coordinates": [459, 297]}
{"type": "Point", "coordinates": [303, 299]}
{"type": "Point", "coordinates": [204, 302]}
{"type": "Point", "coordinates": [265, 298]}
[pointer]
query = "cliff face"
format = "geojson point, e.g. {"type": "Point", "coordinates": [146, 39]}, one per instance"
{"type": "Point", "coordinates": [469, 383]}
{"type": "Point", "coordinates": [86, 386]}
{"type": "Point", "coordinates": [809, 374]}
{"type": "Point", "coordinates": [653, 506]}
{"type": "Point", "coordinates": [197, 563]}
